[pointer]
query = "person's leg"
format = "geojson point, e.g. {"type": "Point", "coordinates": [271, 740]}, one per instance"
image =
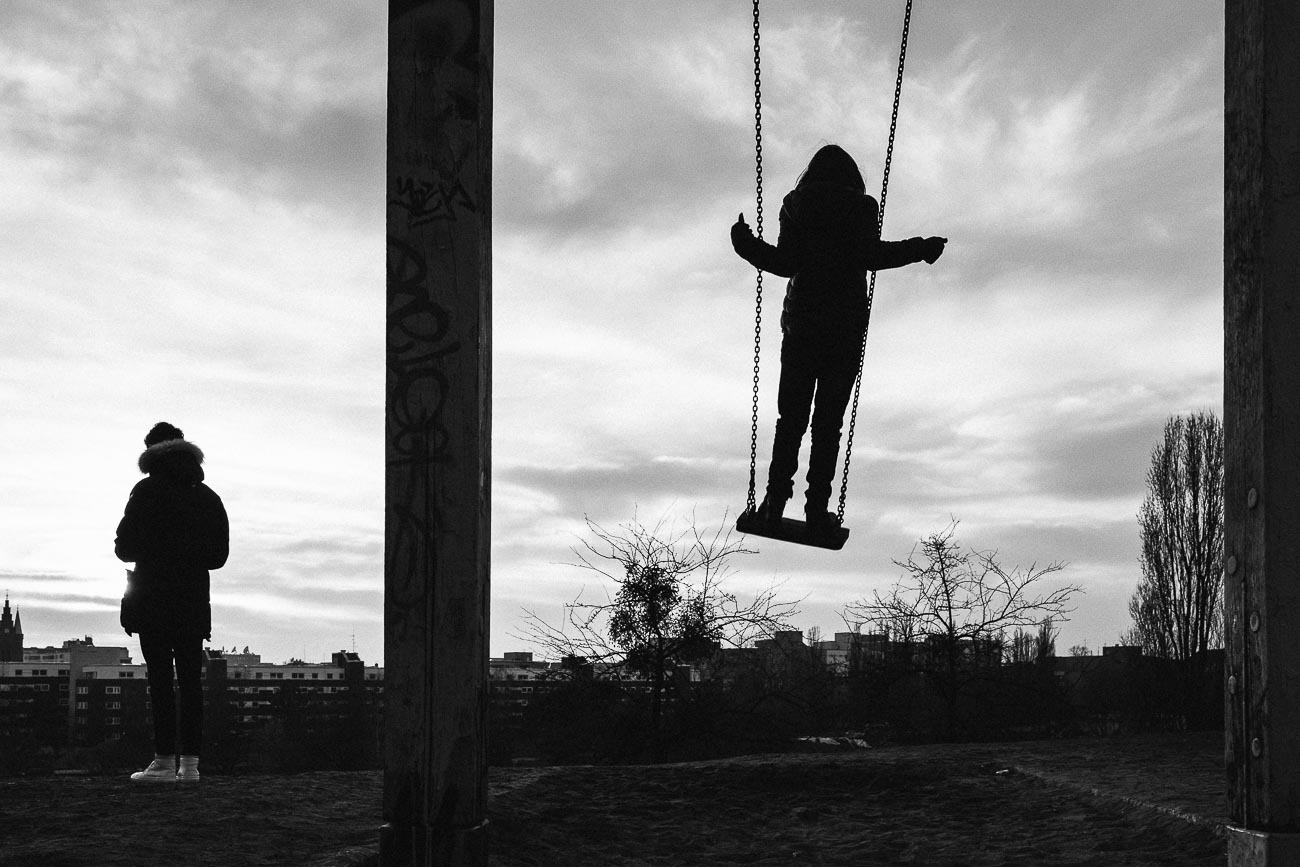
{"type": "Point", "coordinates": [189, 678]}
{"type": "Point", "coordinates": [837, 372]}
{"type": "Point", "coordinates": [793, 403]}
{"type": "Point", "coordinates": [157, 651]}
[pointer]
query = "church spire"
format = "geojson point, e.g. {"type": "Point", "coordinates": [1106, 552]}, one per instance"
{"type": "Point", "coordinates": [11, 635]}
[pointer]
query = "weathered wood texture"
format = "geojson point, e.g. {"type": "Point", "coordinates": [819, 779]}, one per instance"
{"type": "Point", "coordinates": [438, 432]}
{"type": "Point", "coordinates": [1262, 423]}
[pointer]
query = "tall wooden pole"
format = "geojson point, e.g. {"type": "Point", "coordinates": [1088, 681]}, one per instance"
{"type": "Point", "coordinates": [1262, 428]}
{"type": "Point", "coordinates": [438, 432]}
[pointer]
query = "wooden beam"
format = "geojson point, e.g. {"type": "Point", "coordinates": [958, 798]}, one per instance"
{"type": "Point", "coordinates": [1262, 429]}
{"type": "Point", "coordinates": [438, 432]}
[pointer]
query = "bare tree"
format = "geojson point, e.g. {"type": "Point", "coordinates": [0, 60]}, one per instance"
{"type": "Point", "coordinates": [1046, 640]}
{"type": "Point", "coordinates": [1177, 608]}
{"type": "Point", "coordinates": [1022, 649]}
{"type": "Point", "coordinates": [962, 602]}
{"type": "Point", "coordinates": [667, 607]}
{"type": "Point", "coordinates": [1026, 647]}
{"type": "Point", "coordinates": [1130, 638]}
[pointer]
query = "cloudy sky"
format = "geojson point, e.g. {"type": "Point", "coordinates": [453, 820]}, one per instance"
{"type": "Point", "coordinates": [193, 227]}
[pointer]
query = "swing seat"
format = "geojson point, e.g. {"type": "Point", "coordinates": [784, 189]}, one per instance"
{"type": "Point", "coordinates": [791, 530]}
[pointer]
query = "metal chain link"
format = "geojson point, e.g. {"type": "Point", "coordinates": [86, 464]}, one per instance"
{"type": "Point", "coordinates": [871, 288]}
{"type": "Point", "coordinates": [758, 281]}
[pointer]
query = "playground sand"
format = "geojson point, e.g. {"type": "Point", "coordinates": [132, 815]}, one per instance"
{"type": "Point", "coordinates": [1109, 801]}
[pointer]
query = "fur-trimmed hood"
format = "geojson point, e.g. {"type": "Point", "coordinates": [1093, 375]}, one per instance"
{"type": "Point", "coordinates": [179, 460]}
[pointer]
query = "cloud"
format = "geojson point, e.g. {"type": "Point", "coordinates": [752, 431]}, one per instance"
{"type": "Point", "coordinates": [194, 232]}
{"type": "Point", "coordinates": [603, 490]}
{"type": "Point", "coordinates": [348, 566]}
{"type": "Point", "coordinates": [33, 580]}
{"type": "Point", "coordinates": [301, 121]}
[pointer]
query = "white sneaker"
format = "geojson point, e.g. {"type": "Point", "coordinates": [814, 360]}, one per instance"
{"type": "Point", "coordinates": [188, 772]}
{"type": "Point", "coordinates": [161, 770]}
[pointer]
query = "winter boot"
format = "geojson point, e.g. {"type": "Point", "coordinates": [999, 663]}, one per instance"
{"type": "Point", "coordinates": [188, 772]}
{"type": "Point", "coordinates": [770, 511]}
{"type": "Point", "coordinates": [820, 522]}
{"type": "Point", "coordinates": [161, 770]}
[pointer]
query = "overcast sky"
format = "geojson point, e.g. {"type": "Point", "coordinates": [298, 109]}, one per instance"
{"type": "Point", "coordinates": [193, 230]}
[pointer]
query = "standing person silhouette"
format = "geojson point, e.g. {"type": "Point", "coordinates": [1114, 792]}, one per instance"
{"type": "Point", "coordinates": [174, 529]}
{"type": "Point", "coordinates": [829, 240]}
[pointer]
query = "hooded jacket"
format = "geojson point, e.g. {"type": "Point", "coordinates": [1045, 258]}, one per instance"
{"type": "Point", "coordinates": [174, 529]}
{"type": "Point", "coordinates": [829, 240]}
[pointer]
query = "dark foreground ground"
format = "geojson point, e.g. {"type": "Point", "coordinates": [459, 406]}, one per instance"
{"type": "Point", "coordinates": [1115, 801]}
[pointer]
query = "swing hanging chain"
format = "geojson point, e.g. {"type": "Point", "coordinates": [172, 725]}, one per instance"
{"type": "Point", "coordinates": [871, 288]}
{"type": "Point", "coordinates": [758, 282]}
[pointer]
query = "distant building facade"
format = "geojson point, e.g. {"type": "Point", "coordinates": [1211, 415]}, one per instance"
{"type": "Point", "coordinates": [33, 707]}
{"type": "Point", "coordinates": [83, 695]}
{"type": "Point", "coordinates": [515, 681]}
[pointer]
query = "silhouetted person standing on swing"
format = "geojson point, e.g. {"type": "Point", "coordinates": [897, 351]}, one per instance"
{"type": "Point", "coordinates": [174, 529]}
{"type": "Point", "coordinates": [829, 241]}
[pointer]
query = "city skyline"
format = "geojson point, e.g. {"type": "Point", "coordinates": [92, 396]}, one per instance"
{"type": "Point", "coordinates": [812, 636]}
{"type": "Point", "coordinates": [195, 233]}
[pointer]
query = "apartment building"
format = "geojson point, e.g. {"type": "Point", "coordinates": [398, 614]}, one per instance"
{"type": "Point", "coordinates": [81, 695]}
{"type": "Point", "coordinates": [515, 680]}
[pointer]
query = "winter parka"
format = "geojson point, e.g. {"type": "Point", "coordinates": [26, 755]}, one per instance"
{"type": "Point", "coordinates": [175, 530]}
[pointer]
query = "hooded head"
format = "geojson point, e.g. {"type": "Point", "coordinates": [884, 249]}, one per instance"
{"type": "Point", "coordinates": [169, 455]}
{"type": "Point", "coordinates": [832, 166]}
{"type": "Point", "coordinates": [161, 432]}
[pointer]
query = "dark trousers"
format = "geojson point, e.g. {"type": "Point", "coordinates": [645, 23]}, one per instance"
{"type": "Point", "coordinates": [185, 654]}
{"type": "Point", "coordinates": [817, 375]}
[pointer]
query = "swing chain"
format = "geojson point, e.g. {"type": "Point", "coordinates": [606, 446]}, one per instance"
{"type": "Point", "coordinates": [871, 288]}
{"type": "Point", "coordinates": [758, 283]}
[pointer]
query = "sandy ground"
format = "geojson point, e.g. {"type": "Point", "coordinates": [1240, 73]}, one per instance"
{"type": "Point", "coordinates": [1119, 801]}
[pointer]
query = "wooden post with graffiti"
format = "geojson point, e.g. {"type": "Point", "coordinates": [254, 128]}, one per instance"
{"type": "Point", "coordinates": [1261, 558]}
{"type": "Point", "coordinates": [438, 432]}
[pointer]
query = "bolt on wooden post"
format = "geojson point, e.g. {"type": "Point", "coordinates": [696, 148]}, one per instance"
{"type": "Point", "coordinates": [437, 432]}
{"type": "Point", "coordinates": [1262, 430]}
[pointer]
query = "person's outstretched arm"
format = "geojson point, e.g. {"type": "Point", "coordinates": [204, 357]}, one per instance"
{"type": "Point", "coordinates": [882, 255]}
{"type": "Point", "coordinates": [762, 255]}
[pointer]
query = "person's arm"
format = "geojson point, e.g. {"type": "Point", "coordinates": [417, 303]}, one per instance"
{"type": "Point", "coordinates": [778, 260]}
{"type": "Point", "coordinates": [882, 255]}
{"type": "Point", "coordinates": [219, 542]}
{"type": "Point", "coordinates": [130, 545]}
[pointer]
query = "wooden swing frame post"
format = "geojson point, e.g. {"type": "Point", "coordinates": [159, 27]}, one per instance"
{"type": "Point", "coordinates": [437, 501]}
{"type": "Point", "coordinates": [1261, 558]}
